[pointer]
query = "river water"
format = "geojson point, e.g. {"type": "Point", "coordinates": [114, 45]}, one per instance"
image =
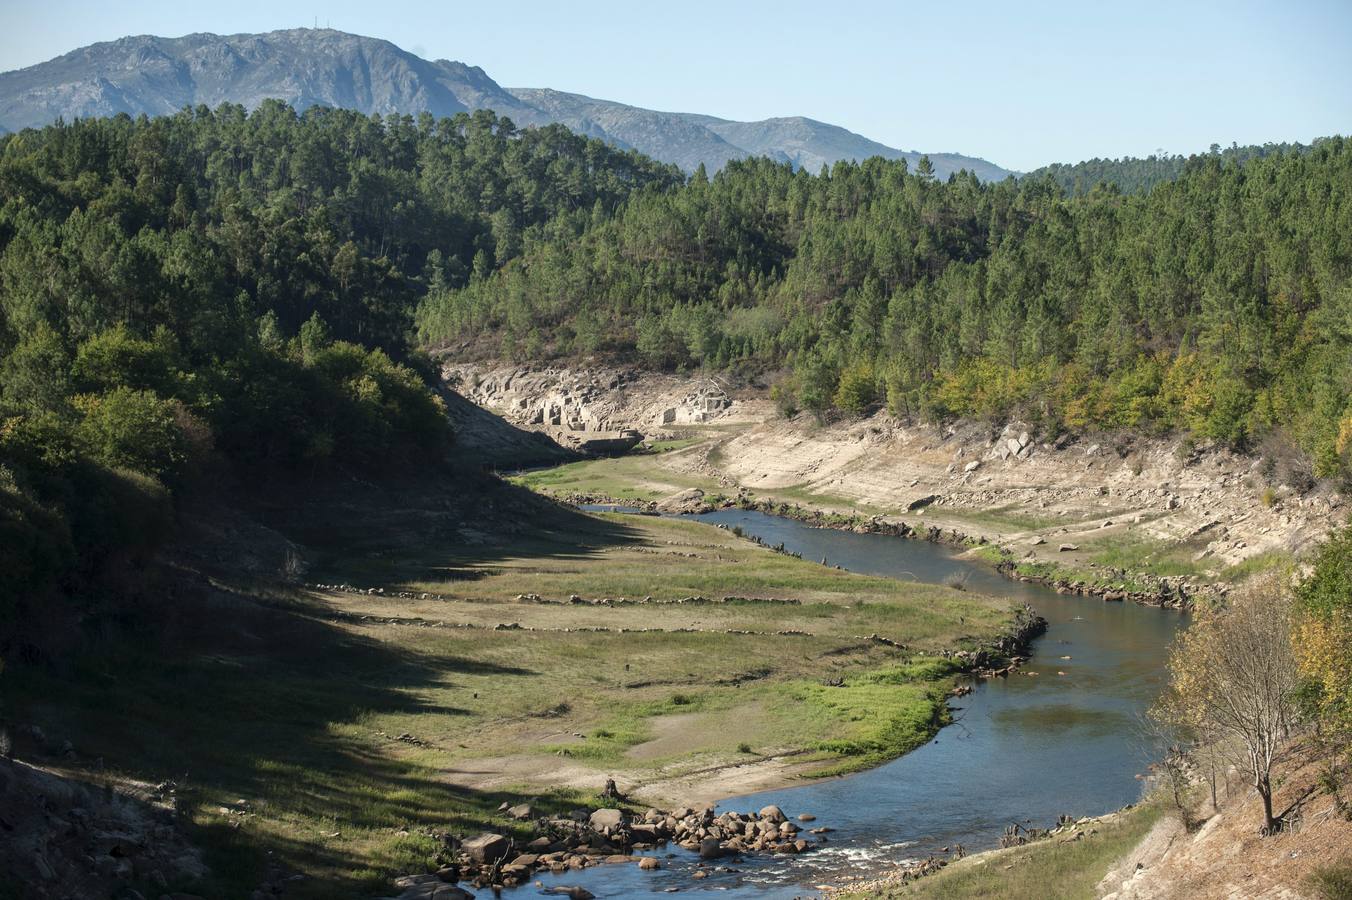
{"type": "Point", "coordinates": [1024, 749]}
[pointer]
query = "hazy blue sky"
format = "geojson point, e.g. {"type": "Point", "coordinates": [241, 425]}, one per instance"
{"type": "Point", "coordinates": [1019, 83]}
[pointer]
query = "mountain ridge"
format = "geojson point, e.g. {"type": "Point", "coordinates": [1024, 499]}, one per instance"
{"type": "Point", "coordinates": [307, 67]}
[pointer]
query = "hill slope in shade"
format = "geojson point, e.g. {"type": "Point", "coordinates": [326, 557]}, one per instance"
{"type": "Point", "coordinates": [308, 67]}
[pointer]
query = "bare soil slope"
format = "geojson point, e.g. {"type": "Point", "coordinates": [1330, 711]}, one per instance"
{"type": "Point", "coordinates": [1225, 857]}
{"type": "Point", "coordinates": [1135, 503]}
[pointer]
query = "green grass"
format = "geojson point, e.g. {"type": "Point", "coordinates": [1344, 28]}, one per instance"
{"type": "Point", "coordinates": [1053, 869]}
{"type": "Point", "coordinates": [1013, 516]}
{"type": "Point", "coordinates": [668, 446]}
{"type": "Point", "coordinates": [1138, 554]}
{"type": "Point", "coordinates": [873, 717]}
{"type": "Point", "coordinates": [1050, 571]}
{"type": "Point", "coordinates": [885, 713]}
{"type": "Point", "coordinates": [821, 499]}
{"type": "Point", "coordinates": [635, 477]}
{"type": "Point", "coordinates": [1267, 561]}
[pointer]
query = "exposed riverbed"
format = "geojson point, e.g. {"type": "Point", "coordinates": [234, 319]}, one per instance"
{"type": "Point", "coordinates": [1063, 735]}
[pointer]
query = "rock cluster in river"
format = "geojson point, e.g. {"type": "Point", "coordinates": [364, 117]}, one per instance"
{"type": "Point", "coordinates": [612, 835]}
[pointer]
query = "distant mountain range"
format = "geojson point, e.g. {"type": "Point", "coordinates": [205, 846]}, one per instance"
{"type": "Point", "coordinates": [308, 67]}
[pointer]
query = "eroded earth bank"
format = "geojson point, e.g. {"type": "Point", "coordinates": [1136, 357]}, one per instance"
{"type": "Point", "coordinates": [1103, 509]}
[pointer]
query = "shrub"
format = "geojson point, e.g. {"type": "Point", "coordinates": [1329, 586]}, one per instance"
{"type": "Point", "coordinates": [117, 358]}
{"type": "Point", "coordinates": [785, 401]}
{"type": "Point", "coordinates": [1332, 882]}
{"type": "Point", "coordinates": [817, 381]}
{"type": "Point", "coordinates": [36, 374]}
{"type": "Point", "coordinates": [857, 391]}
{"type": "Point", "coordinates": [1322, 635]}
{"type": "Point", "coordinates": [132, 429]}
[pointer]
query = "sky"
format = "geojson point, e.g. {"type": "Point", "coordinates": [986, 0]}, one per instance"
{"type": "Point", "coordinates": [1021, 84]}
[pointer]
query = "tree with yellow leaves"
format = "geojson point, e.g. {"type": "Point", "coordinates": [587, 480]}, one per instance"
{"type": "Point", "coordinates": [1233, 680]}
{"type": "Point", "coordinates": [1322, 637]}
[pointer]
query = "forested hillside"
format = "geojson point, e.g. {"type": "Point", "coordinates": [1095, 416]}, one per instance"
{"type": "Point", "coordinates": [231, 293]}
{"type": "Point", "coordinates": [1135, 175]}
{"type": "Point", "coordinates": [1220, 302]}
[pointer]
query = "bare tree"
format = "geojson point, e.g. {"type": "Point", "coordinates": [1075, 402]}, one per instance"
{"type": "Point", "coordinates": [1233, 675]}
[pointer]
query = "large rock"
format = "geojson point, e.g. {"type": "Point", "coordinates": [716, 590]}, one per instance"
{"type": "Point", "coordinates": [772, 813]}
{"type": "Point", "coordinates": [487, 847]}
{"type": "Point", "coordinates": [572, 893]}
{"type": "Point", "coordinates": [710, 848]}
{"type": "Point", "coordinates": [688, 501]}
{"type": "Point", "coordinates": [416, 887]}
{"type": "Point", "coordinates": [607, 818]}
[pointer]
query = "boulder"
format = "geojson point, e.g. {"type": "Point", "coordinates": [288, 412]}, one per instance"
{"type": "Point", "coordinates": [691, 500]}
{"type": "Point", "coordinates": [649, 863]}
{"type": "Point", "coordinates": [487, 847]}
{"type": "Point", "coordinates": [607, 818]}
{"type": "Point", "coordinates": [408, 881]}
{"type": "Point", "coordinates": [572, 893]}
{"type": "Point", "coordinates": [451, 892]}
{"type": "Point", "coordinates": [772, 813]}
{"type": "Point", "coordinates": [522, 811]}
{"type": "Point", "coordinates": [710, 848]}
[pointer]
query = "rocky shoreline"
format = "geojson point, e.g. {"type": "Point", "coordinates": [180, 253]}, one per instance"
{"type": "Point", "coordinates": [1163, 591]}
{"type": "Point", "coordinates": [604, 836]}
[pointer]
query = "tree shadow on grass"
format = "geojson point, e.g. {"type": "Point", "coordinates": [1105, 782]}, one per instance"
{"type": "Point", "coordinates": [244, 690]}
{"type": "Point", "coordinates": [414, 531]}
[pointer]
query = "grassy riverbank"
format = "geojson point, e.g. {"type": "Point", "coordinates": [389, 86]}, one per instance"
{"type": "Point", "coordinates": [1065, 866]}
{"type": "Point", "coordinates": [353, 725]}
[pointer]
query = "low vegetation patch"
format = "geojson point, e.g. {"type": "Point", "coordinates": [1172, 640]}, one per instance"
{"type": "Point", "coordinates": [1062, 867]}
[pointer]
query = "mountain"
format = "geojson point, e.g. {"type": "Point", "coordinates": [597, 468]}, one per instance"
{"type": "Point", "coordinates": [308, 67]}
{"type": "Point", "coordinates": [810, 144]}
{"type": "Point", "coordinates": [670, 137]}
{"type": "Point", "coordinates": [156, 75]}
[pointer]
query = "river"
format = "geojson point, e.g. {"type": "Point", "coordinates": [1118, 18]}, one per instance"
{"type": "Point", "coordinates": [1024, 749]}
